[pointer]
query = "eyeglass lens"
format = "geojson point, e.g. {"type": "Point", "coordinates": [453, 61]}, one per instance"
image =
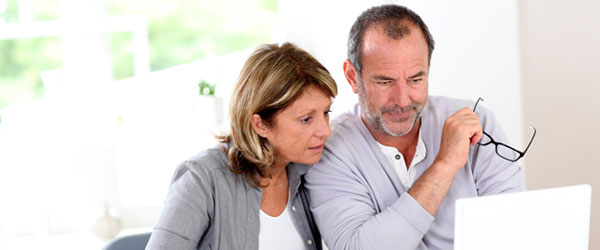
{"type": "Point", "coordinates": [506, 152]}
{"type": "Point", "coordinates": [503, 150]}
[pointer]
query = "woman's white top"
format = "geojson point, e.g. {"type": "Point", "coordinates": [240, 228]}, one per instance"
{"type": "Point", "coordinates": [278, 232]}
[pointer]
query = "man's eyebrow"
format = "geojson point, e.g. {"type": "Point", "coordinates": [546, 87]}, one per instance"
{"type": "Point", "coordinates": [382, 77]}
{"type": "Point", "coordinates": [421, 73]}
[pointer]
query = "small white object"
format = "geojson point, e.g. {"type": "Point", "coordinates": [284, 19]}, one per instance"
{"type": "Point", "coordinates": [107, 226]}
{"type": "Point", "coordinates": [549, 219]}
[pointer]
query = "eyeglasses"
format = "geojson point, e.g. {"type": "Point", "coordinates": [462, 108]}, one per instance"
{"type": "Point", "coordinates": [504, 151]}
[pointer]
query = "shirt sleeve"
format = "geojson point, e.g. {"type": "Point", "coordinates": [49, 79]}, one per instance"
{"type": "Point", "coordinates": [185, 216]}
{"type": "Point", "coordinates": [348, 216]}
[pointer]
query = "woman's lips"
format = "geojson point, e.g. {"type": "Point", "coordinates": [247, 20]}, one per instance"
{"type": "Point", "coordinates": [317, 148]}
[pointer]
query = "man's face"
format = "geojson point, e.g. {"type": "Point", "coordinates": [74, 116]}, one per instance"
{"type": "Point", "coordinates": [393, 84]}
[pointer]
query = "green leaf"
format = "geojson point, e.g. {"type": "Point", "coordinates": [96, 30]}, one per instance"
{"type": "Point", "coordinates": [206, 88]}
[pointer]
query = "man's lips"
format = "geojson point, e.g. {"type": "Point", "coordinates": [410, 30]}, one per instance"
{"type": "Point", "coordinates": [398, 115]}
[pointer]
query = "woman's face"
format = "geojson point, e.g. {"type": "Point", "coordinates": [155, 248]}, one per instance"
{"type": "Point", "coordinates": [298, 132]}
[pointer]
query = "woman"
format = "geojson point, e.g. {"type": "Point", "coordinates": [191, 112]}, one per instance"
{"type": "Point", "coordinates": [247, 193]}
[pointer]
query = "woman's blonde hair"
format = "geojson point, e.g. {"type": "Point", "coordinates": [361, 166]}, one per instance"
{"type": "Point", "coordinates": [271, 80]}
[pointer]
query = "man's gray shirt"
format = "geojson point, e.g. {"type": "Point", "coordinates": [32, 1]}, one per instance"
{"type": "Point", "coordinates": [209, 207]}
{"type": "Point", "coordinates": [359, 202]}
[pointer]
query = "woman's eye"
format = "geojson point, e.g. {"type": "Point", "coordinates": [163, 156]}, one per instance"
{"type": "Point", "coordinates": [306, 120]}
{"type": "Point", "coordinates": [327, 112]}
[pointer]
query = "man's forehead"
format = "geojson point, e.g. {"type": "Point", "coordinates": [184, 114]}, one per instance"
{"type": "Point", "coordinates": [411, 69]}
{"type": "Point", "coordinates": [377, 45]}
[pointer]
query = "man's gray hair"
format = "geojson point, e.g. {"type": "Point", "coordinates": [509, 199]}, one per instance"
{"type": "Point", "coordinates": [391, 16]}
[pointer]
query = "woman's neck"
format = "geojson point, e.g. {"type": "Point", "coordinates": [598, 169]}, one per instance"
{"type": "Point", "coordinates": [278, 175]}
{"type": "Point", "coordinates": [275, 191]}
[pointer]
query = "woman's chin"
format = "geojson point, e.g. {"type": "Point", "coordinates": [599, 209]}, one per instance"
{"type": "Point", "coordinates": [309, 160]}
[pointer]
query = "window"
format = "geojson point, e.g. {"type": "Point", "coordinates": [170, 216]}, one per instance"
{"type": "Point", "coordinates": [67, 148]}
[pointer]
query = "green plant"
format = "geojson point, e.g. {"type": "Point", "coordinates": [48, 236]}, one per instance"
{"type": "Point", "coordinates": [206, 88]}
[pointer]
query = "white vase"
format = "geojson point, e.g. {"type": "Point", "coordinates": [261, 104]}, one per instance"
{"type": "Point", "coordinates": [107, 226]}
{"type": "Point", "coordinates": [210, 110]}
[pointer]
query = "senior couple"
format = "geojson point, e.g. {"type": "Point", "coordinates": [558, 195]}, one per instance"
{"type": "Point", "coordinates": [386, 178]}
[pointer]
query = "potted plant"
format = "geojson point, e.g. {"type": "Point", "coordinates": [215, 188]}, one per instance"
{"type": "Point", "coordinates": [209, 106]}
{"type": "Point", "coordinates": [205, 88]}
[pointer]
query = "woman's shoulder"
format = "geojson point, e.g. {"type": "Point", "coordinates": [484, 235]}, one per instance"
{"type": "Point", "coordinates": [206, 161]}
{"type": "Point", "coordinates": [214, 157]}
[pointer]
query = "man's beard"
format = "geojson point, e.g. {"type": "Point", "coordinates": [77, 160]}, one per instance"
{"type": "Point", "coordinates": [375, 119]}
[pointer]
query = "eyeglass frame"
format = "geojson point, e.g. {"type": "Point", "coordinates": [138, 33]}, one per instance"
{"type": "Point", "coordinates": [521, 154]}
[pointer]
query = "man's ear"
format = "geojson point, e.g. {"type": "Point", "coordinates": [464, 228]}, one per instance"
{"type": "Point", "coordinates": [351, 75]}
{"type": "Point", "coordinates": [259, 126]}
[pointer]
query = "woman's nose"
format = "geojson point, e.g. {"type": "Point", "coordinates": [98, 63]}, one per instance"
{"type": "Point", "coordinates": [323, 129]}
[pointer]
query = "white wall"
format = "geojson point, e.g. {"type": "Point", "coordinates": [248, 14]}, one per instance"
{"type": "Point", "coordinates": [476, 52]}
{"type": "Point", "coordinates": [560, 46]}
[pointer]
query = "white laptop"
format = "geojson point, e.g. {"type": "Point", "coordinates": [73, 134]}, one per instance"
{"type": "Point", "coordinates": [556, 218]}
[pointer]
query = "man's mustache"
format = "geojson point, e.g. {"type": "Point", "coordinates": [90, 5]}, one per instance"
{"type": "Point", "coordinates": [397, 109]}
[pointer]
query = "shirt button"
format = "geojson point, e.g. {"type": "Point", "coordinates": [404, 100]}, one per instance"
{"type": "Point", "coordinates": [398, 157]}
{"type": "Point", "coordinates": [294, 208]}
{"type": "Point", "coordinates": [310, 242]}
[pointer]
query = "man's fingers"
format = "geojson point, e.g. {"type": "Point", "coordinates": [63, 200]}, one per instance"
{"type": "Point", "coordinates": [465, 122]}
{"type": "Point", "coordinates": [476, 137]}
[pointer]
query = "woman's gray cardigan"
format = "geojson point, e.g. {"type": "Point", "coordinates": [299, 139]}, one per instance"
{"type": "Point", "coordinates": [209, 207]}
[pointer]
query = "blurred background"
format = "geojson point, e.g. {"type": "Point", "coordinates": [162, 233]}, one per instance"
{"type": "Point", "coordinates": [101, 99]}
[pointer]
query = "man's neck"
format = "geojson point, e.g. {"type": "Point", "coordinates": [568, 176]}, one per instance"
{"type": "Point", "coordinates": [406, 144]}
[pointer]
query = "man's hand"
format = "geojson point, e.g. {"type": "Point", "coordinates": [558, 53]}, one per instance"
{"type": "Point", "coordinates": [461, 130]}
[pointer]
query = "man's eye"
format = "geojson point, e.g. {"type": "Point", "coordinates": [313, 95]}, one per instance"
{"type": "Point", "coordinates": [383, 83]}
{"type": "Point", "coordinates": [416, 80]}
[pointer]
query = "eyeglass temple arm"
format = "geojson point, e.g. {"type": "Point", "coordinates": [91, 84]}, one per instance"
{"type": "Point", "coordinates": [475, 107]}
{"type": "Point", "coordinates": [531, 140]}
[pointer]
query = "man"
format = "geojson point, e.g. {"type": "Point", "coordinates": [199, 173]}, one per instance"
{"type": "Point", "coordinates": [396, 163]}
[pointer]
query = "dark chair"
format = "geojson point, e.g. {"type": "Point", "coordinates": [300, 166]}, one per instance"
{"type": "Point", "coordinates": [129, 242]}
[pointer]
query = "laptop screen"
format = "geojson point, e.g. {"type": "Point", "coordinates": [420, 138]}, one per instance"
{"type": "Point", "coordinates": [556, 218]}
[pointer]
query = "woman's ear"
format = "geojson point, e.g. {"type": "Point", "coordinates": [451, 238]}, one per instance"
{"type": "Point", "coordinates": [259, 126]}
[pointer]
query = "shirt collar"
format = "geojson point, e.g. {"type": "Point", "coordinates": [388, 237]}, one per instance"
{"type": "Point", "coordinates": [296, 169]}
{"type": "Point", "coordinates": [420, 152]}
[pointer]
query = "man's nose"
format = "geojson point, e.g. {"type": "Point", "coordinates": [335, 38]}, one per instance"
{"type": "Point", "coordinates": [401, 94]}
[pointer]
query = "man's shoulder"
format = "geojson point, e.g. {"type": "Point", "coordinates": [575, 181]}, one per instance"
{"type": "Point", "coordinates": [346, 126]}
{"type": "Point", "coordinates": [443, 105]}
{"type": "Point", "coordinates": [348, 143]}
{"type": "Point", "coordinates": [347, 117]}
